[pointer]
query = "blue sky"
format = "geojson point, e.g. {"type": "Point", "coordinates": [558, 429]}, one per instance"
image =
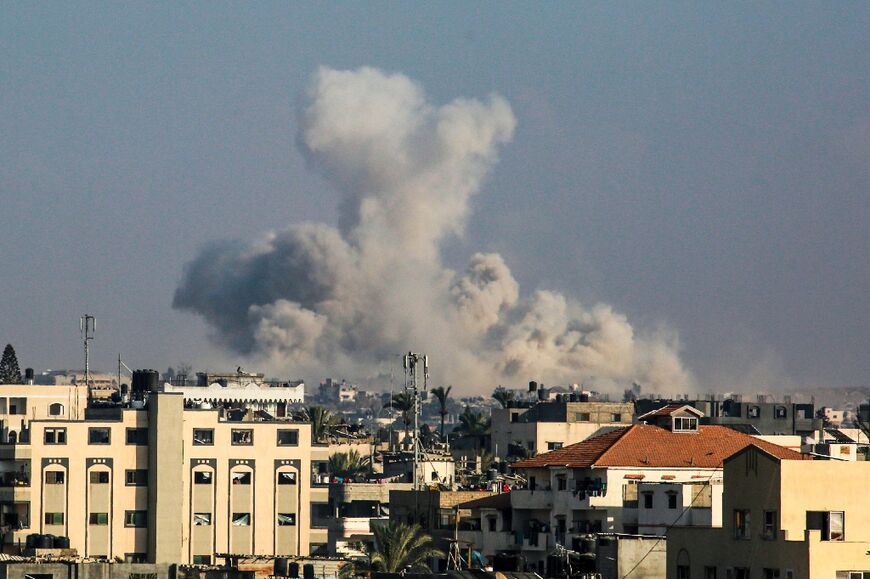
{"type": "Point", "coordinates": [698, 165]}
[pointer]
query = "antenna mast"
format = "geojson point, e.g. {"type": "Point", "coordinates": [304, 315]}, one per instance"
{"type": "Point", "coordinates": [412, 362]}
{"type": "Point", "coordinates": [87, 327]}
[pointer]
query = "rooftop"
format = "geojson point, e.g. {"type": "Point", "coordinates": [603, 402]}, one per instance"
{"type": "Point", "coordinates": [648, 446]}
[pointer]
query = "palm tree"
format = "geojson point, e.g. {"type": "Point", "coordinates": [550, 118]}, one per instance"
{"type": "Point", "coordinates": [322, 422]}
{"type": "Point", "coordinates": [503, 396]}
{"type": "Point", "coordinates": [404, 403]}
{"type": "Point", "coordinates": [349, 465]}
{"type": "Point", "coordinates": [473, 425]}
{"type": "Point", "coordinates": [397, 548]}
{"type": "Point", "coordinates": [442, 395]}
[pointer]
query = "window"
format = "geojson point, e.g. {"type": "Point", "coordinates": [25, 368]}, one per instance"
{"type": "Point", "coordinates": [286, 519]}
{"type": "Point", "coordinates": [616, 417]}
{"type": "Point", "coordinates": [99, 436]}
{"type": "Point", "coordinates": [491, 523]}
{"type": "Point", "coordinates": [685, 424]}
{"type": "Point", "coordinates": [830, 523]}
{"type": "Point", "coordinates": [741, 524]}
{"type": "Point", "coordinates": [241, 519]}
{"type": "Point", "coordinates": [242, 437]}
{"type": "Point", "coordinates": [202, 559]}
{"type": "Point", "coordinates": [202, 477]}
{"type": "Point", "coordinates": [203, 437]}
{"type": "Point", "coordinates": [135, 558]}
{"type": "Point", "coordinates": [561, 482]}
{"type": "Point", "coordinates": [780, 412]}
{"type": "Point", "coordinates": [54, 477]}
{"type": "Point", "coordinates": [754, 412]}
{"type": "Point", "coordinates": [647, 500]}
{"type": "Point", "coordinates": [98, 519]}
{"type": "Point", "coordinates": [55, 409]}
{"type": "Point", "coordinates": [672, 500]}
{"type": "Point", "coordinates": [135, 518]}
{"type": "Point", "coordinates": [288, 438]}
{"type": "Point", "coordinates": [137, 436]}
{"type": "Point", "coordinates": [682, 572]}
{"type": "Point", "coordinates": [834, 526]}
{"type": "Point", "coordinates": [532, 483]}
{"type": "Point", "coordinates": [53, 518]}
{"type": "Point", "coordinates": [99, 477]}
{"type": "Point", "coordinates": [769, 531]}
{"type": "Point", "coordinates": [741, 573]}
{"type": "Point", "coordinates": [554, 445]}
{"type": "Point", "coordinates": [286, 478]}
{"type": "Point", "coordinates": [709, 572]}
{"type": "Point", "coordinates": [201, 519]}
{"type": "Point", "coordinates": [629, 495]}
{"type": "Point", "coordinates": [768, 573]}
{"type": "Point", "coordinates": [241, 478]}
{"type": "Point", "coordinates": [136, 478]}
{"type": "Point", "coordinates": [581, 416]}
{"type": "Point", "coordinates": [55, 436]}
{"type": "Point", "coordinates": [320, 514]}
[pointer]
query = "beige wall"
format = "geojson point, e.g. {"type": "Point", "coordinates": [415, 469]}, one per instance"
{"type": "Point", "coordinates": [171, 498]}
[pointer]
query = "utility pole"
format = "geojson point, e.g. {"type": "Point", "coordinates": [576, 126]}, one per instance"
{"type": "Point", "coordinates": [87, 326]}
{"type": "Point", "coordinates": [412, 362]}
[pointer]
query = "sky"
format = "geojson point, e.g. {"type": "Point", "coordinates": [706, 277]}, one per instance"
{"type": "Point", "coordinates": [702, 168]}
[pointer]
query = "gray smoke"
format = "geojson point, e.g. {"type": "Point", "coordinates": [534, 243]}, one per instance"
{"type": "Point", "coordinates": [315, 299]}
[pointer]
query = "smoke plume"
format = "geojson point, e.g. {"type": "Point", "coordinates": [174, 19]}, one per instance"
{"type": "Point", "coordinates": [313, 298]}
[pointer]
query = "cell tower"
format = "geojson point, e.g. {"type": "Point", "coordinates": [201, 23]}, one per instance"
{"type": "Point", "coordinates": [87, 327]}
{"type": "Point", "coordinates": [412, 363]}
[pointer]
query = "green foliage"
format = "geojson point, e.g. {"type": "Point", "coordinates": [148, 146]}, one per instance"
{"type": "Point", "coordinates": [10, 373]}
{"type": "Point", "coordinates": [349, 465]}
{"type": "Point", "coordinates": [403, 402]}
{"type": "Point", "coordinates": [322, 422]}
{"type": "Point", "coordinates": [397, 548]}
{"type": "Point", "coordinates": [442, 395]}
{"type": "Point", "coordinates": [503, 396]}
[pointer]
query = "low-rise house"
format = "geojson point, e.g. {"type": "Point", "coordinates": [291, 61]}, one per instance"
{"type": "Point", "coordinates": [644, 478]}
{"type": "Point", "coordinates": [788, 519]}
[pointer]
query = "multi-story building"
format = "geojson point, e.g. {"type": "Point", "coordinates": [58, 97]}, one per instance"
{"type": "Point", "coordinates": [353, 508]}
{"type": "Point", "coordinates": [643, 478]}
{"type": "Point", "coordinates": [751, 417]}
{"type": "Point", "coordinates": [788, 519]}
{"type": "Point", "coordinates": [524, 429]}
{"type": "Point", "coordinates": [165, 483]}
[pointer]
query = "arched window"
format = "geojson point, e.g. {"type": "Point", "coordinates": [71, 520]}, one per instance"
{"type": "Point", "coordinates": [55, 409]}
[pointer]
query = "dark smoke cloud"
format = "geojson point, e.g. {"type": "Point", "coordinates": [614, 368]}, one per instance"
{"type": "Point", "coordinates": [313, 298]}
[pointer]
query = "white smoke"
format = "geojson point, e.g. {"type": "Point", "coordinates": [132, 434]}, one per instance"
{"type": "Point", "coordinates": [313, 298]}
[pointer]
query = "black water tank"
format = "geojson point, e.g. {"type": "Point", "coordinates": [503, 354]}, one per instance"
{"type": "Point", "coordinates": [61, 542]}
{"type": "Point", "coordinates": [508, 562]}
{"type": "Point", "coordinates": [281, 567]}
{"type": "Point", "coordinates": [145, 381]}
{"type": "Point", "coordinates": [247, 575]}
{"type": "Point", "coordinates": [308, 571]}
{"type": "Point", "coordinates": [45, 542]}
{"type": "Point", "coordinates": [31, 540]}
{"type": "Point", "coordinates": [533, 386]}
{"type": "Point", "coordinates": [28, 375]}
{"type": "Point", "coordinates": [293, 569]}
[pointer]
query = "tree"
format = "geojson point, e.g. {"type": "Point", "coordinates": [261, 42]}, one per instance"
{"type": "Point", "coordinates": [322, 422]}
{"type": "Point", "coordinates": [10, 373]}
{"type": "Point", "coordinates": [404, 403]}
{"type": "Point", "coordinates": [349, 465]}
{"type": "Point", "coordinates": [397, 548]}
{"type": "Point", "coordinates": [442, 395]}
{"type": "Point", "coordinates": [503, 396]}
{"type": "Point", "coordinates": [473, 425]}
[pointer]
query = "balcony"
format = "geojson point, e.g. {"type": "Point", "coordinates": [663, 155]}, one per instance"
{"type": "Point", "coordinates": [528, 499]}
{"type": "Point", "coordinates": [535, 541]}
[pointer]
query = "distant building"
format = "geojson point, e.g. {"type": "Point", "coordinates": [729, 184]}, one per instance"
{"type": "Point", "coordinates": [354, 507]}
{"type": "Point", "coordinates": [249, 390]}
{"type": "Point", "coordinates": [754, 417]}
{"type": "Point", "coordinates": [783, 518]}
{"type": "Point", "coordinates": [525, 430]}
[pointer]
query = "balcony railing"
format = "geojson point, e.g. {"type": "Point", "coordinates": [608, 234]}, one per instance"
{"type": "Point", "coordinates": [14, 479]}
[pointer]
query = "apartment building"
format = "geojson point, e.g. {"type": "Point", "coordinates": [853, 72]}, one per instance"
{"type": "Point", "coordinates": [524, 429]}
{"type": "Point", "coordinates": [165, 483]}
{"type": "Point", "coordinates": [353, 508]}
{"type": "Point", "coordinates": [788, 519]}
{"type": "Point", "coordinates": [640, 479]}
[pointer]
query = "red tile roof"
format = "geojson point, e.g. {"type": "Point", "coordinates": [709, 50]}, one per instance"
{"type": "Point", "coordinates": [668, 409]}
{"type": "Point", "coordinates": [648, 446]}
